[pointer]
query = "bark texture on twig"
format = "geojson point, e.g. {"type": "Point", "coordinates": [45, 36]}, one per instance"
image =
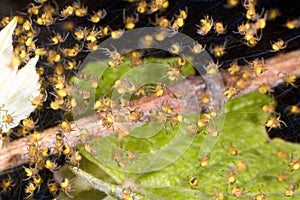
{"type": "Point", "coordinates": [15, 153]}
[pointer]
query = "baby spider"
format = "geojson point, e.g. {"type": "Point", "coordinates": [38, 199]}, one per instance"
{"type": "Point", "coordinates": [212, 68]}
{"type": "Point", "coordinates": [73, 51]}
{"type": "Point", "coordinates": [260, 196]}
{"type": "Point", "coordinates": [157, 5]}
{"type": "Point", "coordinates": [294, 109]}
{"type": "Point", "coordinates": [250, 7]}
{"type": "Point", "coordinates": [135, 115]}
{"type": "Point", "coordinates": [243, 28]}
{"type": "Point", "coordinates": [240, 166]}
{"type": "Point", "coordinates": [66, 186]}
{"type": "Point", "coordinates": [58, 38]}
{"type": "Point", "coordinates": [205, 26]}
{"type": "Point", "coordinates": [7, 119]}
{"type": "Point", "coordinates": [30, 189]}
{"type": "Point", "coordinates": [219, 195]}
{"type": "Point", "coordinates": [6, 184]}
{"type": "Point", "coordinates": [80, 33]}
{"type": "Point", "coordinates": [282, 177]}
{"type": "Point", "coordinates": [53, 187]}
{"type": "Point", "coordinates": [179, 21]}
{"type": "Point", "coordinates": [204, 161]}
{"type": "Point", "coordinates": [257, 65]}
{"type": "Point", "coordinates": [130, 21]}
{"type": "Point", "coordinates": [116, 34]}
{"type": "Point", "coordinates": [274, 122]}
{"type": "Point", "coordinates": [197, 48]}
{"type": "Point", "coordinates": [261, 22]}
{"type": "Point", "coordinates": [232, 150]}
{"type": "Point", "coordinates": [289, 192]}
{"type": "Point", "coordinates": [230, 92]}
{"type": "Point", "coordinates": [175, 48]}
{"type": "Point", "coordinates": [93, 35]}
{"type": "Point", "coordinates": [237, 192]}
{"type": "Point", "coordinates": [293, 24]}
{"type": "Point", "coordinates": [193, 181]}
{"type": "Point", "coordinates": [269, 108]}
{"type": "Point", "coordinates": [218, 50]}
{"type": "Point", "coordinates": [66, 12]}
{"type": "Point", "coordinates": [127, 196]}
{"type": "Point", "coordinates": [265, 88]}
{"type": "Point", "coordinates": [294, 163]}
{"type": "Point", "coordinates": [219, 28]}
{"type": "Point", "coordinates": [251, 37]}
{"type": "Point", "coordinates": [276, 46]}
{"type": "Point", "coordinates": [52, 166]}
{"type": "Point", "coordinates": [289, 79]}
{"type": "Point", "coordinates": [230, 177]}
{"type": "Point", "coordinates": [97, 16]}
{"type": "Point", "coordinates": [115, 58]}
{"type": "Point", "coordinates": [79, 9]}
{"type": "Point", "coordinates": [141, 6]}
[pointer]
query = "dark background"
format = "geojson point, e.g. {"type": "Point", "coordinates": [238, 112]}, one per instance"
{"type": "Point", "coordinates": [197, 9]}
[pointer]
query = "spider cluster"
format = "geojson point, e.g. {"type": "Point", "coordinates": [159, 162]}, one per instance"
{"type": "Point", "coordinates": [63, 33]}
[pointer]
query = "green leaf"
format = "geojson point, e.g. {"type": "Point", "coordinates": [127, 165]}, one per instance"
{"type": "Point", "coordinates": [243, 129]}
{"type": "Point", "coordinates": [107, 76]}
{"type": "Point", "coordinates": [153, 71]}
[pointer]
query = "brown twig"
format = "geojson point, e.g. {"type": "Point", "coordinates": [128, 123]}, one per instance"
{"type": "Point", "coordinates": [15, 153]}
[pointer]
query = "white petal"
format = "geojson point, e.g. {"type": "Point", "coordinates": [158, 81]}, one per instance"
{"type": "Point", "coordinates": [6, 54]}
{"type": "Point", "coordinates": [17, 88]}
{"type": "Point", "coordinates": [20, 91]}
{"type": "Point", "coordinates": [6, 37]}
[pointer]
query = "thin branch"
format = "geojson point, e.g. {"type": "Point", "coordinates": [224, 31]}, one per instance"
{"type": "Point", "coordinates": [15, 153]}
{"type": "Point", "coordinates": [109, 189]}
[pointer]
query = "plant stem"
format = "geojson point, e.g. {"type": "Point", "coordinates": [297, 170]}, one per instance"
{"type": "Point", "coordinates": [15, 153]}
